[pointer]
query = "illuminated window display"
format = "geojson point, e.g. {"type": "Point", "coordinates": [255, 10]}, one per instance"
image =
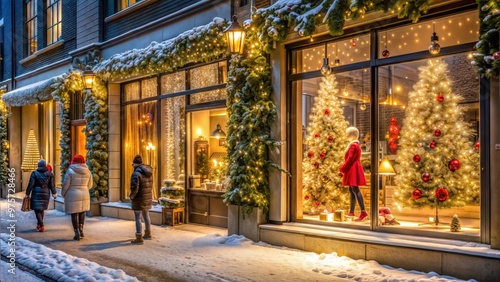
{"type": "Point", "coordinates": [424, 174]}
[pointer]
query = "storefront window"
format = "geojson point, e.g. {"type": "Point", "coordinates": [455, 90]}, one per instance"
{"type": "Point", "coordinates": [131, 91]}
{"type": "Point", "coordinates": [173, 82]}
{"type": "Point", "coordinates": [149, 87]}
{"type": "Point", "coordinates": [429, 135]}
{"type": "Point", "coordinates": [140, 138]}
{"type": "Point", "coordinates": [208, 96]}
{"type": "Point", "coordinates": [208, 75]}
{"type": "Point", "coordinates": [173, 135]}
{"type": "Point", "coordinates": [452, 30]}
{"type": "Point", "coordinates": [326, 108]}
{"type": "Point", "coordinates": [348, 51]}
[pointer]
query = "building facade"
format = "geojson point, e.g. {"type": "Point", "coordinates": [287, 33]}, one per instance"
{"type": "Point", "coordinates": [166, 74]}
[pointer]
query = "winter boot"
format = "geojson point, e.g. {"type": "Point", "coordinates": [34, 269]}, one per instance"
{"type": "Point", "coordinates": [77, 235]}
{"type": "Point", "coordinates": [362, 217]}
{"type": "Point", "coordinates": [42, 228]}
{"type": "Point", "coordinates": [147, 235]}
{"type": "Point", "coordinates": [138, 239]}
{"type": "Point", "coordinates": [80, 228]}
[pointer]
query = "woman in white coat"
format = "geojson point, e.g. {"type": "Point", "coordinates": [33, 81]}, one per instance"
{"type": "Point", "coordinates": [75, 190]}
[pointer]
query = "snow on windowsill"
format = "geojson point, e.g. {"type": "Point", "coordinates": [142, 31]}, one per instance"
{"type": "Point", "coordinates": [123, 205]}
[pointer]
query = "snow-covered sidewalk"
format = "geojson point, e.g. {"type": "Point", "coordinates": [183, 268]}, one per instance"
{"type": "Point", "coordinates": [182, 253]}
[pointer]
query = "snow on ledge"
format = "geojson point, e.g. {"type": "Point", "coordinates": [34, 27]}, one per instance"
{"type": "Point", "coordinates": [123, 205]}
{"type": "Point", "coordinates": [58, 265]}
{"type": "Point", "coordinates": [31, 94]}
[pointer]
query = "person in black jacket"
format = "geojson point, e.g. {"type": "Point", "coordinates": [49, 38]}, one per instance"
{"type": "Point", "coordinates": [141, 195]}
{"type": "Point", "coordinates": [40, 185]}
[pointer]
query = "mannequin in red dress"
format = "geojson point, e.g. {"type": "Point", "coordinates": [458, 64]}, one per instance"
{"type": "Point", "coordinates": [352, 173]}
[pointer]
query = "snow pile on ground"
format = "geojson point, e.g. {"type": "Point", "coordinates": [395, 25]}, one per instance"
{"type": "Point", "coordinates": [59, 265]}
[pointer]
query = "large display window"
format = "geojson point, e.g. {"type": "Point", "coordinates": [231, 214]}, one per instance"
{"type": "Point", "coordinates": [416, 122]}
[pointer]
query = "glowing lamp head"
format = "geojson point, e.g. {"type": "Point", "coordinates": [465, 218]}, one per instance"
{"type": "Point", "coordinates": [235, 36]}
{"type": "Point", "coordinates": [88, 78]}
{"type": "Point", "coordinates": [434, 48]}
{"type": "Point", "coordinates": [325, 69]}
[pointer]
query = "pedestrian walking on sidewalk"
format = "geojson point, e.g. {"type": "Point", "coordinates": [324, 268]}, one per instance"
{"type": "Point", "coordinates": [141, 195]}
{"type": "Point", "coordinates": [40, 185]}
{"type": "Point", "coordinates": [75, 190]}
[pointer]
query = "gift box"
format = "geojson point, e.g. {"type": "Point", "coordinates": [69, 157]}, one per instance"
{"type": "Point", "coordinates": [339, 215]}
{"type": "Point", "coordinates": [326, 216]}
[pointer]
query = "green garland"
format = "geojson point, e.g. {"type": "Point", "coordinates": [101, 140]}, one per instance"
{"type": "Point", "coordinates": [97, 133]}
{"type": "Point", "coordinates": [251, 114]}
{"type": "Point", "coordinates": [64, 89]}
{"type": "Point", "coordinates": [201, 44]}
{"type": "Point", "coordinates": [4, 144]}
{"type": "Point", "coordinates": [489, 27]}
{"type": "Point", "coordinates": [96, 114]}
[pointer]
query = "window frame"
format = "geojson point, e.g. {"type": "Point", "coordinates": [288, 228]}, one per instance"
{"type": "Point", "coordinates": [31, 25]}
{"type": "Point", "coordinates": [53, 21]}
{"type": "Point", "coordinates": [373, 65]}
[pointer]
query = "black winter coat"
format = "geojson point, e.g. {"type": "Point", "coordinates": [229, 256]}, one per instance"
{"type": "Point", "coordinates": [40, 185]}
{"type": "Point", "coordinates": [141, 186]}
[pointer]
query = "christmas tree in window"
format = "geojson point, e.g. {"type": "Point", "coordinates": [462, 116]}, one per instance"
{"type": "Point", "coordinates": [326, 143]}
{"type": "Point", "coordinates": [437, 164]}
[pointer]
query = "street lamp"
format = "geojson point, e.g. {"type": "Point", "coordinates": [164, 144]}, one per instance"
{"type": "Point", "coordinates": [88, 78]}
{"type": "Point", "coordinates": [235, 36]}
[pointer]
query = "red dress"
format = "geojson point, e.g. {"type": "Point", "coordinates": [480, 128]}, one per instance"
{"type": "Point", "coordinates": [352, 169]}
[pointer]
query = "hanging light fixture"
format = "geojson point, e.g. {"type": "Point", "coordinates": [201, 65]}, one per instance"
{"type": "Point", "coordinates": [434, 48]}
{"type": "Point", "coordinates": [390, 97]}
{"type": "Point", "coordinates": [218, 133]}
{"type": "Point", "coordinates": [235, 36]}
{"type": "Point", "coordinates": [325, 69]}
{"type": "Point", "coordinates": [88, 78]}
{"type": "Point", "coordinates": [337, 60]}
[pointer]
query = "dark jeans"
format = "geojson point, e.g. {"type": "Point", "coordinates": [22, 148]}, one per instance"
{"type": "Point", "coordinates": [356, 194]}
{"type": "Point", "coordinates": [77, 219]}
{"type": "Point", "coordinates": [39, 217]}
{"type": "Point", "coordinates": [138, 224]}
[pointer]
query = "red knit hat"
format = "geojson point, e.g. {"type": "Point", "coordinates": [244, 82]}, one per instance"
{"type": "Point", "coordinates": [78, 159]}
{"type": "Point", "coordinates": [49, 167]}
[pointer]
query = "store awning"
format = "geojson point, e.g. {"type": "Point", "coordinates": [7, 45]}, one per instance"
{"type": "Point", "coordinates": [30, 94]}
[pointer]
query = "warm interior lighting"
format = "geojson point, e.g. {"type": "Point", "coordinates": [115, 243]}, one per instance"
{"type": "Point", "coordinates": [385, 168]}
{"type": "Point", "coordinates": [218, 133]}
{"type": "Point", "coordinates": [88, 78]}
{"type": "Point", "coordinates": [235, 36]}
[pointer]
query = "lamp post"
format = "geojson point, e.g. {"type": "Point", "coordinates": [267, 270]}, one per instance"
{"type": "Point", "coordinates": [235, 36]}
{"type": "Point", "coordinates": [88, 78]}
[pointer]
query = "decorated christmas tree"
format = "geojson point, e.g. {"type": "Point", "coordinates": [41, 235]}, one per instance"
{"type": "Point", "coordinates": [326, 144]}
{"type": "Point", "coordinates": [437, 164]}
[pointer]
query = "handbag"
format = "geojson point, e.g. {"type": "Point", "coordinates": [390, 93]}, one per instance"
{"type": "Point", "coordinates": [26, 206]}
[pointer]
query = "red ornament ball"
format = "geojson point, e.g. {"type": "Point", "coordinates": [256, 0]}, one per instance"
{"type": "Point", "coordinates": [330, 139]}
{"type": "Point", "coordinates": [416, 158]}
{"type": "Point", "coordinates": [316, 135]}
{"type": "Point", "coordinates": [454, 165]}
{"type": "Point", "coordinates": [327, 111]}
{"type": "Point", "coordinates": [416, 194]}
{"type": "Point", "coordinates": [440, 97]}
{"type": "Point", "coordinates": [386, 53]}
{"type": "Point", "coordinates": [441, 194]}
{"type": "Point", "coordinates": [316, 165]}
{"type": "Point", "coordinates": [433, 144]}
{"type": "Point", "coordinates": [496, 55]}
{"type": "Point", "coordinates": [437, 132]}
{"type": "Point", "coordinates": [476, 145]}
{"type": "Point", "coordinates": [316, 203]}
{"type": "Point", "coordinates": [306, 197]}
{"type": "Point", "coordinates": [426, 177]}
{"type": "Point", "coordinates": [310, 154]}
{"type": "Point", "coordinates": [322, 155]}
{"type": "Point", "coordinates": [393, 146]}
{"type": "Point", "coordinates": [353, 43]}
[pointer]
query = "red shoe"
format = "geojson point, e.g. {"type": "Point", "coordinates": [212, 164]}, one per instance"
{"type": "Point", "coordinates": [42, 228]}
{"type": "Point", "coordinates": [351, 214]}
{"type": "Point", "coordinates": [362, 217]}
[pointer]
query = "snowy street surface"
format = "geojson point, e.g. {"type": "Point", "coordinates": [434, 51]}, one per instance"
{"type": "Point", "coordinates": [183, 253]}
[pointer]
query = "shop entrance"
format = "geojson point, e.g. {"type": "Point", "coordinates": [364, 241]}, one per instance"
{"type": "Point", "coordinates": [207, 163]}
{"type": "Point", "coordinates": [78, 138]}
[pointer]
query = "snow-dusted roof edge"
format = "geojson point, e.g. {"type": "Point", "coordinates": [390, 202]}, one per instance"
{"type": "Point", "coordinates": [31, 94]}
